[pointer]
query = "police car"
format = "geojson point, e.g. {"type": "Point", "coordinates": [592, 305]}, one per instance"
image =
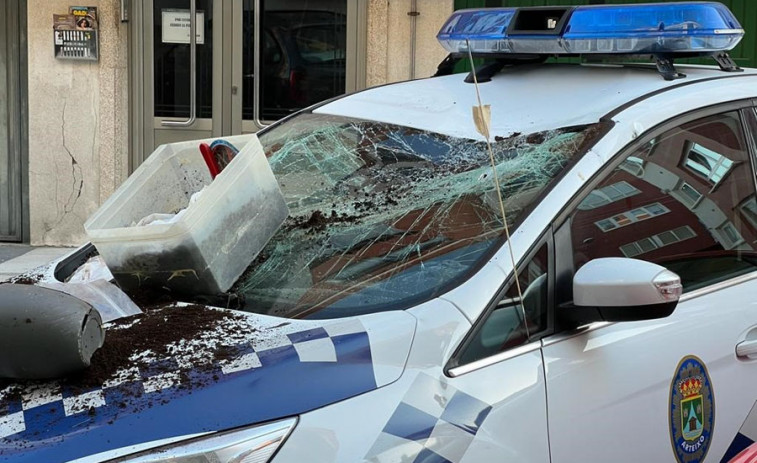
{"type": "Point", "coordinates": [537, 262]}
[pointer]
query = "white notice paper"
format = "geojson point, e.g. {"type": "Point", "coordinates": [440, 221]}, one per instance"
{"type": "Point", "coordinates": [176, 26]}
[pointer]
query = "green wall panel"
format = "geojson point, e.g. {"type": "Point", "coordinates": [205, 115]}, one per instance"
{"type": "Point", "coordinates": [745, 10]}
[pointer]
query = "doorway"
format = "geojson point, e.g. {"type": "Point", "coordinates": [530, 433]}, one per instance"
{"type": "Point", "coordinates": [255, 61]}
{"type": "Point", "coordinates": [12, 122]}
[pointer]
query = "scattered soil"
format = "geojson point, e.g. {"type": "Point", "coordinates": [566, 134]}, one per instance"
{"type": "Point", "coordinates": [148, 298]}
{"type": "Point", "coordinates": [12, 395]}
{"type": "Point", "coordinates": [591, 134]}
{"type": "Point", "coordinates": [157, 331]}
{"type": "Point", "coordinates": [498, 138]}
{"type": "Point", "coordinates": [32, 279]}
{"type": "Point", "coordinates": [536, 138]}
{"type": "Point", "coordinates": [154, 331]}
{"type": "Point", "coordinates": [318, 221]}
{"type": "Point", "coordinates": [364, 206]}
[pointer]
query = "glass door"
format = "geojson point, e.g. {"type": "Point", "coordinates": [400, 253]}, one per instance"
{"type": "Point", "coordinates": [252, 62]}
{"type": "Point", "coordinates": [183, 72]}
{"type": "Point", "coordinates": [294, 54]}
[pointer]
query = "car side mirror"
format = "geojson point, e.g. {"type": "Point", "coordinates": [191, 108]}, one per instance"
{"type": "Point", "coordinates": [616, 289]}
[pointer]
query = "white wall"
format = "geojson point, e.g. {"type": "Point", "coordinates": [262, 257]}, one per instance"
{"type": "Point", "coordinates": [389, 39]}
{"type": "Point", "coordinates": [78, 124]}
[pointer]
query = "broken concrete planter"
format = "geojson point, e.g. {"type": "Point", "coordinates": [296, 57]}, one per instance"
{"type": "Point", "coordinates": [45, 334]}
{"type": "Point", "coordinates": [216, 238]}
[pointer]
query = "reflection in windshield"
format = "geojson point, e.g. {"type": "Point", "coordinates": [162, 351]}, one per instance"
{"type": "Point", "coordinates": [383, 216]}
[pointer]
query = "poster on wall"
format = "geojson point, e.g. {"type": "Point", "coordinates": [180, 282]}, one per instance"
{"type": "Point", "coordinates": [85, 16]}
{"type": "Point", "coordinates": [175, 26]}
{"type": "Point", "coordinates": [75, 35]}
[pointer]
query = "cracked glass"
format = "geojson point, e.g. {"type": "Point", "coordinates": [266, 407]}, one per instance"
{"type": "Point", "coordinates": [383, 217]}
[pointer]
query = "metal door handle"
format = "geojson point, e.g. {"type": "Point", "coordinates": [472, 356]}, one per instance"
{"type": "Point", "coordinates": [747, 349]}
{"type": "Point", "coordinates": [192, 71]}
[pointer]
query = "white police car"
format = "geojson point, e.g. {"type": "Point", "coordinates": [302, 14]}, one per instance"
{"type": "Point", "coordinates": [384, 321]}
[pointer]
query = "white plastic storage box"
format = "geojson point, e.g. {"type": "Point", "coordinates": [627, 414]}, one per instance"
{"type": "Point", "coordinates": [205, 250]}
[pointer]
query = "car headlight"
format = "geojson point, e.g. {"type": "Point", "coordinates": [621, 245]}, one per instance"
{"type": "Point", "coordinates": [251, 445]}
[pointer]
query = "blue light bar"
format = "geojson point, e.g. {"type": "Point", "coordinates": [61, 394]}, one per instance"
{"type": "Point", "coordinates": [667, 27]}
{"type": "Point", "coordinates": [484, 28]}
{"type": "Point", "coordinates": [662, 28]}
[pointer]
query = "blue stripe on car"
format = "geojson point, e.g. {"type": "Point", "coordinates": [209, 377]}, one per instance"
{"type": "Point", "coordinates": [202, 401]}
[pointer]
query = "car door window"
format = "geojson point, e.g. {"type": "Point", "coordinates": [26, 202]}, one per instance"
{"type": "Point", "coordinates": [684, 200]}
{"type": "Point", "coordinates": [505, 327]}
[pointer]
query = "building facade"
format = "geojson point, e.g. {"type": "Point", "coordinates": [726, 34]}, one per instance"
{"type": "Point", "coordinates": [73, 127]}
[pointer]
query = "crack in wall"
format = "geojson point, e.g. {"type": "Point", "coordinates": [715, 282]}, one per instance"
{"type": "Point", "coordinates": [75, 168]}
{"type": "Point", "coordinates": [77, 181]}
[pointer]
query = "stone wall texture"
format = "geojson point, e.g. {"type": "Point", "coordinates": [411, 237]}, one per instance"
{"type": "Point", "coordinates": [389, 39]}
{"type": "Point", "coordinates": [78, 124]}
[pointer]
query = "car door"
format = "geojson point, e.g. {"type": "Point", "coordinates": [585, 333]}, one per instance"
{"type": "Point", "coordinates": [671, 389]}
{"type": "Point", "coordinates": [500, 363]}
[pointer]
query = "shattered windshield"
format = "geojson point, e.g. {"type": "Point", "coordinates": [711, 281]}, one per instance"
{"type": "Point", "coordinates": [383, 217]}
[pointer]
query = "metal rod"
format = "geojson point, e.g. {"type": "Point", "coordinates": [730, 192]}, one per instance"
{"type": "Point", "coordinates": [256, 77]}
{"type": "Point", "coordinates": [413, 35]}
{"type": "Point", "coordinates": [498, 189]}
{"type": "Point", "coordinates": [192, 71]}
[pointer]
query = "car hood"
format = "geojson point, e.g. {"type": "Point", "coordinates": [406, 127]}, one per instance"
{"type": "Point", "coordinates": [238, 369]}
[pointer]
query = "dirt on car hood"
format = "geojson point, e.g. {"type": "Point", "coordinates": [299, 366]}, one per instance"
{"type": "Point", "coordinates": [185, 369]}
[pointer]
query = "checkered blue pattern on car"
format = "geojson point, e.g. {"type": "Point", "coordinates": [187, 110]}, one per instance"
{"type": "Point", "coordinates": [746, 436]}
{"type": "Point", "coordinates": [263, 378]}
{"type": "Point", "coordinates": [434, 423]}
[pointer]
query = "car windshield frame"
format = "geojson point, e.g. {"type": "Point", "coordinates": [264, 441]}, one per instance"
{"type": "Point", "coordinates": [416, 159]}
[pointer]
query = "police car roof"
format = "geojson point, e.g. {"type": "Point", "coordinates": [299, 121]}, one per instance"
{"type": "Point", "coordinates": [523, 99]}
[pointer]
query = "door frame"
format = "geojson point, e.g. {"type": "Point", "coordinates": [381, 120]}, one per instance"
{"type": "Point", "coordinates": [355, 72]}
{"type": "Point", "coordinates": [227, 104]}
{"type": "Point", "coordinates": [142, 121]}
{"type": "Point", "coordinates": [17, 107]}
